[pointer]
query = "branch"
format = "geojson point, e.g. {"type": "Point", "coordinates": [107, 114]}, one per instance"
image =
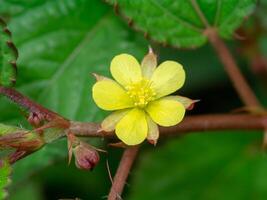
{"type": "Point", "coordinates": [122, 173]}
{"type": "Point", "coordinates": [239, 82]}
{"type": "Point", "coordinates": [27, 103]}
{"type": "Point", "coordinates": [245, 92]}
{"type": "Point", "coordinates": [189, 124]}
{"type": "Point", "coordinates": [242, 87]}
{"type": "Point", "coordinates": [37, 113]}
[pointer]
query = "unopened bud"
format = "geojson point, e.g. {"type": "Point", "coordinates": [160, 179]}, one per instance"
{"type": "Point", "coordinates": [18, 138]}
{"type": "Point", "coordinates": [86, 157]}
{"type": "Point", "coordinates": [18, 142]}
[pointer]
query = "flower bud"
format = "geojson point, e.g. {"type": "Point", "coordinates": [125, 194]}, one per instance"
{"type": "Point", "coordinates": [86, 157]}
{"type": "Point", "coordinates": [18, 142]}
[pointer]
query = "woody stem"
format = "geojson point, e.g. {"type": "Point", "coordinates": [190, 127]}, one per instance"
{"type": "Point", "coordinates": [122, 173]}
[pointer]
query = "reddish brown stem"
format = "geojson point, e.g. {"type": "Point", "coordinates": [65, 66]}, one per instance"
{"type": "Point", "coordinates": [189, 124]}
{"type": "Point", "coordinates": [35, 109]}
{"type": "Point", "coordinates": [122, 173]}
{"type": "Point", "coordinates": [239, 82]}
{"type": "Point", "coordinates": [26, 103]}
{"type": "Point", "coordinates": [245, 92]}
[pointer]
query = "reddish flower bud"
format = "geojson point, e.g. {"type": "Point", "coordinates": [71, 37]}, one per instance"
{"type": "Point", "coordinates": [86, 157]}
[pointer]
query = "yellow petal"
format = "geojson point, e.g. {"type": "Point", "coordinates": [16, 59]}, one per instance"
{"type": "Point", "coordinates": [125, 69]}
{"type": "Point", "coordinates": [153, 131]}
{"type": "Point", "coordinates": [132, 128]}
{"type": "Point", "coordinates": [110, 122]}
{"type": "Point", "coordinates": [109, 95]}
{"type": "Point", "coordinates": [166, 112]}
{"type": "Point", "coordinates": [167, 78]}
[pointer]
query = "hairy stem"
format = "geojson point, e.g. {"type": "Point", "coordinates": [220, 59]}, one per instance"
{"type": "Point", "coordinates": [189, 124]}
{"type": "Point", "coordinates": [239, 82]}
{"type": "Point", "coordinates": [28, 104]}
{"type": "Point", "coordinates": [122, 173]}
{"type": "Point", "coordinates": [245, 92]}
{"type": "Point", "coordinates": [196, 123]}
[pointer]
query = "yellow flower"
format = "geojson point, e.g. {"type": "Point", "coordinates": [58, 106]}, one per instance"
{"type": "Point", "coordinates": [139, 97]}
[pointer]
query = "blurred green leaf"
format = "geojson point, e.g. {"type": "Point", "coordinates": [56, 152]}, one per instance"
{"type": "Point", "coordinates": [31, 190]}
{"type": "Point", "coordinates": [8, 57]}
{"type": "Point", "coordinates": [5, 171]}
{"type": "Point", "coordinates": [203, 166]}
{"type": "Point", "coordinates": [261, 13]}
{"type": "Point", "coordinates": [177, 23]}
{"type": "Point", "coordinates": [33, 163]}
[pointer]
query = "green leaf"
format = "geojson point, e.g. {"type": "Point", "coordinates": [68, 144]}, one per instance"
{"type": "Point", "coordinates": [8, 57]}
{"type": "Point", "coordinates": [203, 166]}
{"type": "Point", "coordinates": [61, 43]}
{"type": "Point", "coordinates": [5, 171]}
{"type": "Point", "coordinates": [178, 23]}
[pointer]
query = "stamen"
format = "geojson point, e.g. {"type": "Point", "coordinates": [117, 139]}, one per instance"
{"type": "Point", "coordinates": [141, 92]}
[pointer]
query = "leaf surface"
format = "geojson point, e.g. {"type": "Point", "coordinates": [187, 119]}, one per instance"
{"type": "Point", "coordinates": [183, 23]}
{"type": "Point", "coordinates": [8, 57]}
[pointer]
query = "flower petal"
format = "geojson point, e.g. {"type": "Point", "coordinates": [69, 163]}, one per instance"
{"type": "Point", "coordinates": [110, 122]}
{"type": "Point", "coordinates": [153, 131]}
{"type": "Point", "coordinates": [167, 78]}
{"type": "Point", "coordinates": [125, 69]}
{"type": "Point", "coordinates": [166, 112]}
{"type": "Point", "coordinates": [132, 128]}
{"type": "Point", "coordinates": [109, 95]}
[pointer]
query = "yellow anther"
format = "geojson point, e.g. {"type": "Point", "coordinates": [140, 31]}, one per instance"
{"type": "Point", "coordinates": [141, 92]}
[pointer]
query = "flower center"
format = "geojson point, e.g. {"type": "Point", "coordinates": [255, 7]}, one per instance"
{"type": "Point", "coordinates": [141, 92]}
